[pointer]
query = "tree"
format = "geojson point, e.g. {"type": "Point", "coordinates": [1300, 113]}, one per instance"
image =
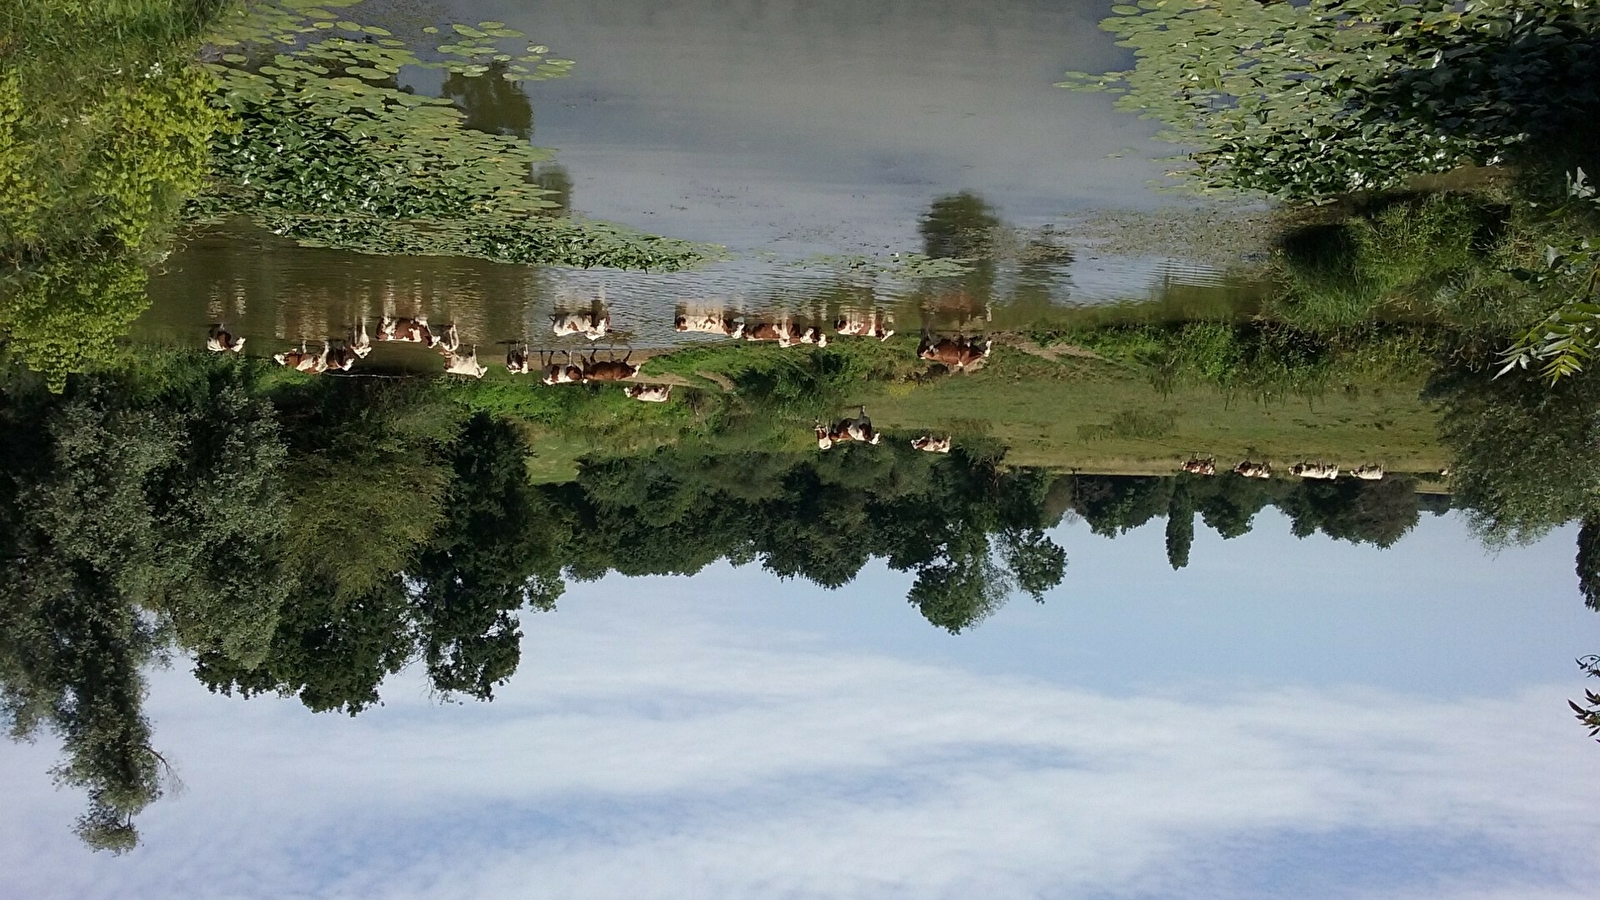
{"type": "Point", "coordinates": [1180, 525]}
{"type": "Point", "coordinates": [492, 555]}
{"type": "Point", "coordinates": [1589, 561]}
{"type": "Point", "coordinates": [1114, 505]}
{"type": "Point", "coordinates": [493, 103]}
{"type": "Point", "coordinates": [1308, 100]}
{"type": "Point", "coordinates": [1349, 509]}
{"type": "Point", "coordinates": [1522, 451]}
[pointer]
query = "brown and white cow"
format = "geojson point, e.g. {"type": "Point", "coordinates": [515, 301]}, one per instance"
{"type": "Point", "coordinates": [869, 324]}
{"type": "Point", "coordinates": [931, 444]}
{"type": "Point", "coordinates": [769, 331]}
{"type": "Point", "coordinates": [556, 373]}
{"type": "Point", "coordinates": [1250, 469]}
{"type": "Point", "coordinates": [1319, 471]}
{"type": "Point", "coordinates": [1198, 466]}
{"type": "Point", "coordinates": [360, 342]}
{"type": "Point", "coordinates": [517, 360]}
{"type": "Point", "coordinates": [649, 393]}
{"type": "Point", "coordinates": [610, 369]}
{"type": "Point", "coordinates": [696, 322]}
{"type": "Point", "coordinates": [813, 335]}
{"type": "Point", "coordinates": [1368, 473]}
{"type": "Point", "coordinates": [341, 357]}
{"type": "Point", "coordinates": [958, 354]}
{"type": "Point", "coordinates": [220, 340]}
{"type": "Point", "coordinates": [858, 428]}
{"type": "Point", "coordinates": [447, 341]}
{"type": "Point", "coordinates": [406, 330]}
{"type": "Point", "coordinates": [303, 361]}
{"type": "Point", "coordinates": [468, 365]}
{"type": "Point", "coordinates": [592, 325]}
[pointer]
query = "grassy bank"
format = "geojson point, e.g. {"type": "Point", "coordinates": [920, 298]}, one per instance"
{"type": "Point", "coordinates": [1061, 408]}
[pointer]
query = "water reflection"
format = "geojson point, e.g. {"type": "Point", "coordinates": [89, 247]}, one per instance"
{"type": "Point", "coordinates": [1003, 277]}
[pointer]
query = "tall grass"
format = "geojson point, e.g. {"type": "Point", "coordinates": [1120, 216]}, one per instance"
{"type": "Point", "coordinates": [1400, 254]}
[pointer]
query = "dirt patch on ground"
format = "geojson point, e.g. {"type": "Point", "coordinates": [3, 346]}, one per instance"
{"type": "Point", "coordinates": [1053, 353]}
{"type": "Point", "coordinates": [652, 378]}
{"type": "Point", "coordinates": [719, 380]}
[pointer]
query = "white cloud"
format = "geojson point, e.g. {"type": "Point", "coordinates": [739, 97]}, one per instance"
{"type": "Point", "coordinates": [642, 753]}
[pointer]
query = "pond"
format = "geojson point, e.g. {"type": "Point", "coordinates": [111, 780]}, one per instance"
{"type": "Point", "coordinates": [1042, 449]}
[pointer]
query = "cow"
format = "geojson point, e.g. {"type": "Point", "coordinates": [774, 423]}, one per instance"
{"type": "Point", "coordinates": [649, 393]}
{"type": "Point", "coordinates": [770, 331]}
{"type": "Point", "coordinates": [447, 342]}
{"type": "Point", "coordinates": [1321, 471]}
{"type": "Point", "coordinates": [556, 373]}
{"type": "Point", "coordinates": [302, 361]}
{"type": "Point", "coordinates": [931, 444]}
{"type": "Point", "coordinates": [709, 323]}
{"type": "Point", "coordinates": [517, 360]}
{"type": "Point", "coordinates": [959, 354]}
{"type": "Point", "coordinates": [1198, 466]}
{"type": "Point", "coordinates": [456, 364]}
{"type": "Point", "coordinates": [813, 335]}
{"type": "Point", "coordinates": [1250, 469]}
{"type": "Point", "coordinates": [220, 340]}
{"type": "Point", "coordinates": [404, 330]}
{"type": "Point", "coordinates": [1368, 473]}
{"type": "Point", "coordinates": [610, 370]}
{"type": "Point", "coordinates": [360, 343]}
{"type": "Point", "coordinates": [854, 324]}
{"type": "Point", "coordinates": [593, 326]}
{"type": "Point", "coordinates": [824, 436]}
{"type": "Point", "coordinates": [855, 429]}
{"type": "Point", "coordinates": [342, 357]}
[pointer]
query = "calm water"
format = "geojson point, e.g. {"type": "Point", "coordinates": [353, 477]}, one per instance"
{"type": "Point", "coordinates": [591, 648]}
{"type": "Point", "coordinates": [810, 141]}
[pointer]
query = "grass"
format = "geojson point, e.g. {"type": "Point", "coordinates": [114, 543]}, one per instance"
{"type": "Point", "coordinates": [1098, 416]}
{"type": "Point", "coordinates": [1101, 415]}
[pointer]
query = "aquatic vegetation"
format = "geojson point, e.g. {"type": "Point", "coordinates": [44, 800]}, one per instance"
{"type": "Point", "coordinates": [329, 150]}
{"type": "Point", "coordinates": [1306, 101]}
{"type": "Point", "coordinates": [312, 138]}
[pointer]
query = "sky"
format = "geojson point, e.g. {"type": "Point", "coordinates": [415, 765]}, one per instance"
{"type": "Point", "coordinates": [1283, 718]}
{"type": "Point", "coordinates": [828, 126]}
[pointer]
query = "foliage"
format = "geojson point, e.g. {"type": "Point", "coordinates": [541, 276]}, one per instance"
{"type": "Point", "coordinates": [1588, 564]}
{"type": "Point", "coordinates": [1264, 359]}
{"type": "Point", "coordinates": [1589, 714]}
{"type": "Point", "coordinates": [1355, 511]}
{"type": "Point", "coordinates": [331, 152]}
{"type": "Point", "coordinates": [94, 166]}
{"type": "Point", "coordinates": [1305, 101]}
{"type": "Point", "coordinates": [1180, 524]}
{"type": "Point", "coordinates": [1337, 275]}
{"type": "Point", "coordinates": [1523, 450]}
{"type": "Point", "coordinates": [1347, 509]}
{"type": "Point", "coordinates": [129, 496]}
{"type": "Point", "coordinates": [1566, 339]}
{"type": "Point", "coordinates": [64, 314]}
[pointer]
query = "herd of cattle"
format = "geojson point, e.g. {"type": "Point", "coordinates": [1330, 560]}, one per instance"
{"type": "Point", "coordinates": [859, 428]}
{"type": "Point", "coordinates": [1317, 471]}
{"type": "Point", "coordinates": [958, 354]}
